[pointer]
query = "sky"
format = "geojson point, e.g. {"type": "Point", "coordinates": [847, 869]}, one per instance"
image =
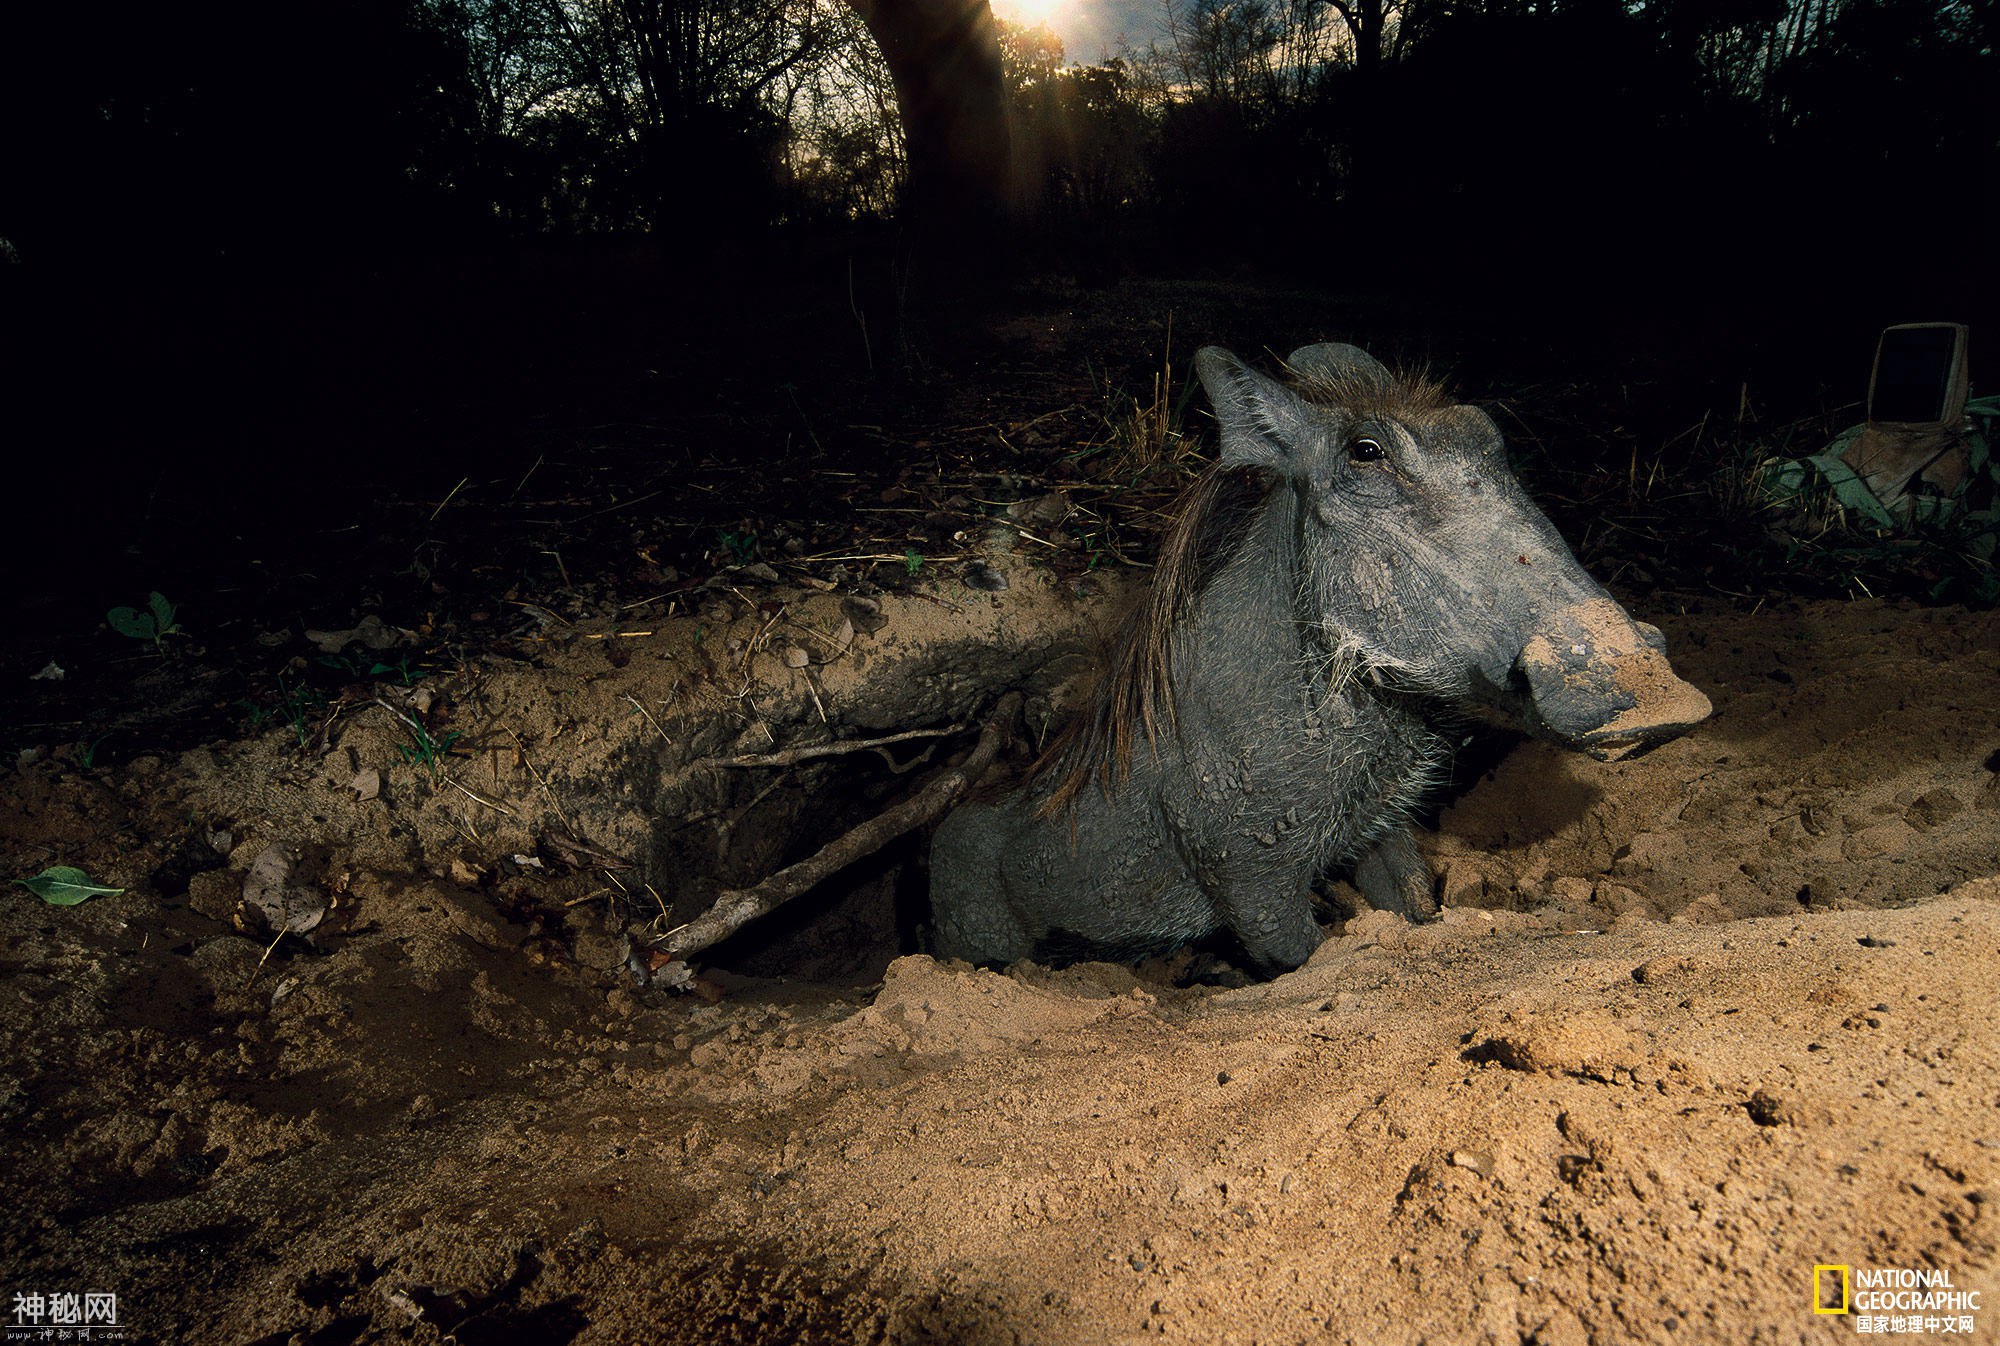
{"type": "Point", "coordinates": [1090, 29]}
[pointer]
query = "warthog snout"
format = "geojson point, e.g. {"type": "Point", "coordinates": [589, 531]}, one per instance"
{"type": "Point", "coordinates": [1601, 683]}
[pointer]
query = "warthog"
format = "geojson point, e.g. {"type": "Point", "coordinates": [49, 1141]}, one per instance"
{"type": "Point", "coordinates": [1359, 568]}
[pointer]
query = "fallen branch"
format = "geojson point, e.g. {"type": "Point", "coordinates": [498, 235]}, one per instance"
{"type": "Point", "coordinates": [737, 908]}
{"type": "Point", "coordinates": [793, 756]}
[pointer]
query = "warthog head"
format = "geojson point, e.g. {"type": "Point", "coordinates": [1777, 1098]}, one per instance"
{"type": "Point", "coordinates": [1423, 563]}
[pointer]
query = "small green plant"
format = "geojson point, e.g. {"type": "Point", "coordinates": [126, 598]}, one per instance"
{"type": "Point", "coordinates": [428, 751]}
{"type": "Point", "coordinates": [742, 547]}
{"type": "Point", "coordinates": [66, 886]}
{"type": "Point", "coordinates": [913, 561]}
{"type": "Point", "coordinates": [405, 675]}
{"type": "Point", "coordinates": [153, 624]}
{"type": "Point", "coordinates": [298, 704]}
{"type": "Point", "coordinates": [401, 670]}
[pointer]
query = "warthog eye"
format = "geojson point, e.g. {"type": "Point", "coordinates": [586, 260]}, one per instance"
{"type": "Point", "coordinates": [1366, 450]}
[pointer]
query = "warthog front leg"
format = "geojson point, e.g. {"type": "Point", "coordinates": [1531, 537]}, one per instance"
{"type": "Point", "coordinates": [1271, 917]}
{"type": "Point", "coordinates": [1395, 877]}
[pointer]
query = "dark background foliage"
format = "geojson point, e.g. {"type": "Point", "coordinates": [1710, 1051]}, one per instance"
{"type": "Point", "coordinates": [258, 256]}
{"type": "Point", "coordinates": [1666, 138]}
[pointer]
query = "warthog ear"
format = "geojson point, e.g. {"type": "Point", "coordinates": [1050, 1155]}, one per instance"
{"type": "Point", "coordinates": [1261, 418]}
{"type": "Point", "coordinates": [1337, 362]}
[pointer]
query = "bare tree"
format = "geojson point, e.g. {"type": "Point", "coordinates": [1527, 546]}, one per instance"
{"type": "Point", "coordinates": [1223, 48]}
{"type": "Point", "coordinates": [513, 58]}
{"type": "Point", "coordinates": [847, 156]}
{"type": "Point", "coordinates": [1368, 23]}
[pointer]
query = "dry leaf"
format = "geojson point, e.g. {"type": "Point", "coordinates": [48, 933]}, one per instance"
{"type": "Point", "coordinates": [268, 891]}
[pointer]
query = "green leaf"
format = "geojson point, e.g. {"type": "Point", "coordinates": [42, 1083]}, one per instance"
{"type": "Point", "coordinates": [913, 561]}
{"type": "Point", "coordinates": [65, 886]}
{"type": "Point", "coordinates": [163, 611]}
{"type": "Point", "coordinates": [132, 622]}
{"type": "Point", "coordinates": [1850, 489]}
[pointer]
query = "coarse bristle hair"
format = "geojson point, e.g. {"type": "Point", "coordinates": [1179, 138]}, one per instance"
{"type": "Point", "coordinates": [1367, 393]}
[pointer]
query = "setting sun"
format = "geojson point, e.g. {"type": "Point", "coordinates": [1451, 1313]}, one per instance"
{"type": "Point", "coordinates": [1089, 30]}
{"type": "Point", "coordinates": [1031, 13]}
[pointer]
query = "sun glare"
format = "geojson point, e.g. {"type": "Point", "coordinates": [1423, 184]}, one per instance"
{"type": "Point", "coordinates": [1030, 13]}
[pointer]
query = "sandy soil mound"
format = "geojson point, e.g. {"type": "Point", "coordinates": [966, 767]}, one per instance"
{"type": "Point", "coordinates": [1693, 1025]}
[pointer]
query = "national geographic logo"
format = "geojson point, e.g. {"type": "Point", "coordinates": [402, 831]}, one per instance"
{"type": "Point", "coordinates": [1894, 1299]}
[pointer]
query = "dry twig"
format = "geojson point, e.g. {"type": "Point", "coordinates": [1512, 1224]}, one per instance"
{"type": "Point", "coordinates": [582, 854]}
{"type": "Point", "coordinates": [793, 756]}
{"type": "Point", "coordinates": [737, 908]}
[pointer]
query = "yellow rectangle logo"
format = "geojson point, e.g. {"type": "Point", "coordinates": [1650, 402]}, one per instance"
{"type": "Point", "coordinates": [1822, 1291]}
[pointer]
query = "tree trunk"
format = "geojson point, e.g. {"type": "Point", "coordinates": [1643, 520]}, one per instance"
{"type": "Point", "coordinates": [1367, 22]}
{"type": "Point", "coordinates": [944, 56]}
